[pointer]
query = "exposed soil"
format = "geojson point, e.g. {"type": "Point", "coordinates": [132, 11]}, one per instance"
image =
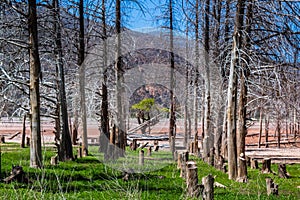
{"type": "Point", "coordinates": [289, 151]}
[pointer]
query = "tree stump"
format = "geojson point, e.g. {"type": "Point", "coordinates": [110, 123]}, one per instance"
{"type": "Point", "coordinates": [134, 144]}
{"type": "Point", "coordinates": [54, 160]}
{"type": "Point", "coordinates": [149, 151]}
{"type": "Point", "coordinates": [156, 147]}
{"type": "Point", "coordinates": [28, 141]}
{"type": "Point", "coordinates": [253, 163]}
{"type": "Point", "coordinates": [272, 188]}
{"type": "Point", "coordinates": [183, 157]}
{"type": "Point", "coordinates": [2, 139]}
{"type": "Point", "coordinates": [193, 189]}
{"type": "Point", "coordinates": [208, 190]}
{"type": "Point", "coordinates": [248, 161]}
{"type": "Point", "coordinates": [282, 173]}
{"type": "Point", "coordinates": [266, 166]}
{"type": "Point", "coordinates": [141, 158]}
{"type": "Point", "coordinates": [79, 152]}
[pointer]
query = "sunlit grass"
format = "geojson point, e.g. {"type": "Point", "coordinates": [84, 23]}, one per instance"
{"type": "Point", "coordinates": [89, 178]}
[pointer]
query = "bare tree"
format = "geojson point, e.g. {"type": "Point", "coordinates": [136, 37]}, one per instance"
{"type": "Point", "coordinates": [35, 74]}
{"type": "Point", "coordinates": [232, 92]}
{"type": "Point", "coordinates": [81, 56]}
{"type": "Point", "coordinates": [65, 143]}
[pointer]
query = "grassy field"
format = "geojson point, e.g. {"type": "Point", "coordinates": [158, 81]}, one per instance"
{"type": "Point", "coordinates": [88, 178]}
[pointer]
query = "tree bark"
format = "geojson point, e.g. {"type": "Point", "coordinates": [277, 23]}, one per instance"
{"type": "Point", "coordinates": [260, 127]}
{"type": "Point", "coordinates": [193, 189]}
{"type": "Point", "coordinates": [267, 130]}
{"type": "Point", "coordinates": [232, 92]}
{"type": "Point", "coordinates": [35, 74]}
{"type": "Point", "coordinates": [172, 122]}
{"type": "Point", "coordinates": [81, 64]}
{"type": "Point", "coordinates": [208, 135]}
{"type": "Point", "coordinates": [208, 191]}
{"type": "Point", "coordinates": [121, 135]}
{"type": "Point", "coordinates": [105, 134]}
{"type": "Point", "coordinates": [23, 132]}
{"type": "Point", "coordinates": [65, 147]}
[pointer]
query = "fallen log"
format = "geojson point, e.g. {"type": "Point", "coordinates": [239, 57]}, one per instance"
{"type": "Point", "coordinates": [15, 135]}
{"type": "Point", "coordinates": [17, 174]}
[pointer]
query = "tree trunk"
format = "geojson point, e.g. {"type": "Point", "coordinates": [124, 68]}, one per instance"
{"type": "Point", "coordinates": [172, 123]}
{"type": "Point", "coordinates": [267, 130]}
{"type": "Point", "coordinates": [105, 134]}
{"type": "Point", "coordinates": [65, 146]}
{"type": "Point", "coordinates": [208, 135]}
{"type": "Point", "coordinates": [278, 129]}
{"type": "Point", "coordinates": [232, 92]}
{"type": "Point", "coordinates": [35, 74]}
{"type": "Point", "coordinates": [121, 135]}
{"type": "Point", "coordinates": [23, 132]}
{"type": "Point", "coordinates": [82, 78]}
{"type": "Point", "coordinates": [241, 133]}
{"type": "Point", "coordinates": [197, 75]}
{"type": "Point", "coordinates": [186, 93]}
{"type": "Point", "coordinates": [260, 127]}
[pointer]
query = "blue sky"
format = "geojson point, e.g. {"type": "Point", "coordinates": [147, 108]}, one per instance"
{"type": "Point", "coordinates": [139, 20]}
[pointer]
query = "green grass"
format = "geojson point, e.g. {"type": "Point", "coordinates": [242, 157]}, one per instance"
{"type": "Point", "coordinates": [88, 178]}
